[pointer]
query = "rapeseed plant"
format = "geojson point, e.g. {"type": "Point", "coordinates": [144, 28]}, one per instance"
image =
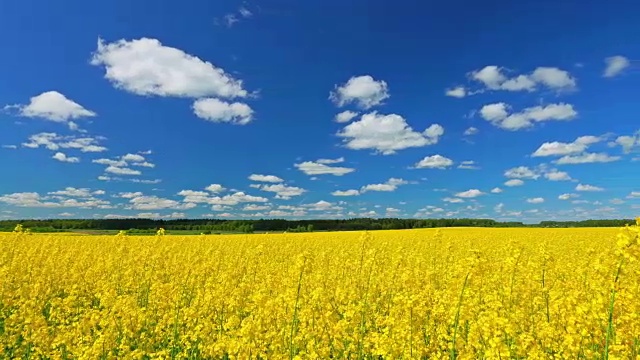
{"type": "Point", "coordinates": [409, 294]}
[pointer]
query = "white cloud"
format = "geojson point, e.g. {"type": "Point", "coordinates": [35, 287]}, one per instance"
{"type": "Point", "coordinates": [556, 175]}
{"type": "Point", "coordinates": [584, 187]}
{"type": "Point", "coordinates": [109, 162]}
{"type": "Point", "coordinates": [254, 207]}
{"type": "Point", "coordinates": [496, 190]}
{"type": "Point", "coordinates": [615, 65]}
{"type": "Point", "coordinates": [556, 148]}
{"type": "Point", "coordinates": [345, 116]}
{"type": "Point", "coordinates": [157, 203]}
{"type": "Point", "coordinates": [64, 158]}
{"type": "Point", "coordinates": [236, 198]}
{"type": "Point", "coordinates": [434, 162]}
{"type": "Point", "coordinates": [174, 215]}
{"type": "Point", "coordinates": [215, 188]}
{"type": "Point", "coordinates": [52, 106]}
{"type": "Point", "coordinates": [453, 200]}
{"type": "Point", "coordinates": [130, 195]}
{"type": "Point", "coordinates": [212, 109]}
{"type": "Point", "coordinates": [391, 185]}
{"type": "Point", "coordinates": [586, 158]}
{"type": "Point", "coordinates": [634, 195]}
{"type": "Point", "coordinates": [521, 172]}
{"type": "Point", "coordinates": [537, 200]}
{"type": "Point", "coordinates": [387, 134]}
{"type": "Point", "coordinates": [498, 115]}
{"type": "Point", "coordinates": [330, 161]}
{"type": "Point", "coordinates": [472, 193]}
{"type": "Point", "coordinates": [73, 192]}
{"type": "Point", "coordinates": [457, 92]}
{"type": "Point", "coordinates": [567, 196]}
{"type": "Point", "coordinates": [196, 197]}
{"type": "Point", "coordinates": [58, 199]}
{"type": "Point", "coordinates": [12, 147]}
{"type": "Point", "coordinates": [146, 67]}
{"type": "Point", "coordinates": [346, 193]}
{"type": "Point", "coordinates": [362, 90]}
{"type": "Point", "coordinates": [132, 158]}
{"type": "Point", "coordinates": [265, 178]}
{"type": "Point", "coordinates": [513, 182]}
{"type": "Point", "coordinates": [628, 143]}
{"type": "Point", "coordinates": [54, 142]}
{"type": "Point", "coordinates": [122, 170]}
{"type": "Point", "coordinates": [321, 168]}
{"type": "Point", "coordinates": [322, 206]}
{"type": "Point", "coordinates": [283, 191]}
{"type": "Point", "coordinates": [553, 78]}
{"type": "Point", "coordinates": [470, 131]}
{"type": "Point", "coordinates": [469, 165]}
{"type": "Point", "coordinates": [493, 78]}
{"type": "Point", "coordinates": [245, 12]}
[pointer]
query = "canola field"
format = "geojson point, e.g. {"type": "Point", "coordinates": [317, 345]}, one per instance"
{"type": "Point", "coordinates": [464, 293]}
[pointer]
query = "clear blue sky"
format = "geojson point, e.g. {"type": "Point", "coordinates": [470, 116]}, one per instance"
{"type": "Point", "coordinates": [305, 109]}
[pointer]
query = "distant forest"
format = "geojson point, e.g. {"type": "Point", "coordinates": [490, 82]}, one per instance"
{"type": "Point", "coordinates": [209, 226]}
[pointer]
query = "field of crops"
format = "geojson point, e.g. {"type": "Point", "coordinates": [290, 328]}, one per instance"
{"type": "Point", "coordinates": [434, 293]}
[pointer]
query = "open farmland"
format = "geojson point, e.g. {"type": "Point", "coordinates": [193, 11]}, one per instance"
{"type": "Point", "coordinates": [465, 293]}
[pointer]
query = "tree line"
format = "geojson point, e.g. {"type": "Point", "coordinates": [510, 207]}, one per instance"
{"type": "Point", "coordinates": [276, 225]}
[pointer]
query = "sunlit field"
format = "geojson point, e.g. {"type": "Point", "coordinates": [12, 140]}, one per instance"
{"type": "Point", "coordinates": [463, 293]}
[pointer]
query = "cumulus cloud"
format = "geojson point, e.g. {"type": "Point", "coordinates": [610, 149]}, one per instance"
{"type": "Point", "coordinates": [237, 198]}
{"type": "Point", "coordinates": [120, 165]}
{"type": "Point", "coordinates": [346, 193]}
{"type": "Point", "coordinates": [557, 148]}
{"type": "Point", "coordinates": [364, 91]}
{"type": "Point", "coordinates": [283, 191]}
{"type": "Point", "coordinates": [471, 193]}
{"type": "Point", "coordinates": [470, 131]}
{"type": "Point", "coordinates": [64, 158]}
{"type": "Point", "coordinates": [265, 178]}
{"type": "Point", "coordinates": [391, 185]}
{"type": "Point", "coordinates": [615, 65]}
{"type": "Point", "coordinates": [555, 175]}
{"type": "Point", "coordinates": [345, 116]}
{"type": "Point", "coordinates": [54, 142]}
{"type": "Point", "coordinates": [628, 143]}
{"type": "Point", "coordinates": [387, 134]}
{"type": "Point", "coordinates": [457, 92]}
{"type": "Point", "coordinates": [434, 162]}
{"type": "Point", "coordinates": [567, 196]}
{"type": "Point", "coordinates": [322, 167]}
{"type": "Point", "coordinates": [498, 115]}
{"type": "Point", "coordinates": [496, 190]}
{"type": "Point", "coordinates": [513, 182]}
{"type": "Point", "coordinates": [154, 203]}
{"type": "Point", "coordinates": [537, 200]}
{"type": "Point", "coordinates": [215, 188]}
{"type": "Point", "coordinates": [146, 67]}
{"type": "Point", "coordinates": [214, 110]}
{"type": "Point", "coordinates": [122, 170]}
{"type": "Point", "coordinates": [586, 158]}
{"type": "Point", "coordinates": [453, 200]}
{"type": "Point", "coordinates": [468, 165]}
{"type": "Point", "coordinates": [53, 106]}
{"type": "Point", "coordinates": [521, 172]}
{"type": "Point", "coordinates": [68, 198]}
{"type": "Point", "coordinates": [494, 78]}
{"type": "Point", "coordinates": [584, 187]}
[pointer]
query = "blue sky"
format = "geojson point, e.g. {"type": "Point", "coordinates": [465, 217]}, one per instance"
{"type": "Point", "coordinates": [320, 109]}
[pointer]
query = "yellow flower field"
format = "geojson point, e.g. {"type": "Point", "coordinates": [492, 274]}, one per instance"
{"type": "Point", "coordinates": [465, 293]}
